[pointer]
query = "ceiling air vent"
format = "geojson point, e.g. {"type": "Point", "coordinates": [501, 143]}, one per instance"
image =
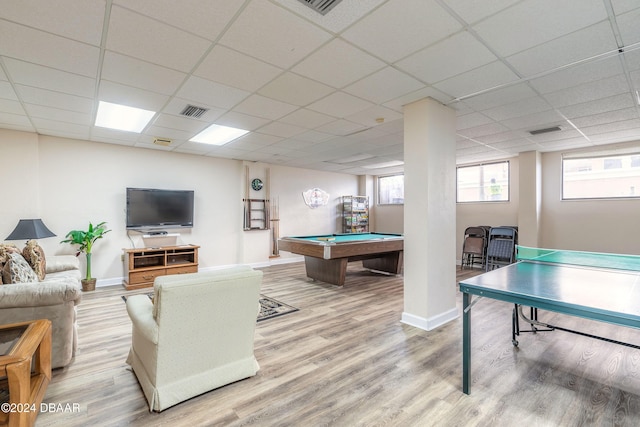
{"type": "Point", "coordinates": [321, 6]}
{"type": "Point", "coordinates": [193, 111]}
{"type": "Point", "coordinates": [165, 142]}
{"type": "Point", "coordinates": [545, 130]}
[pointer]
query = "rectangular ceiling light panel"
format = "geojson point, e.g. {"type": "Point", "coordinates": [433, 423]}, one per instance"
{"type": "Point", "coordinates": [122, 117]}
{"type": "Point", "coordinates": [218, 135]}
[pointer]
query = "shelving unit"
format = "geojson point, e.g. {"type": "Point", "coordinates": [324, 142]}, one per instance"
{"type": "Point", "coordinates": [142, 266]}
{"type": "Point", "coordinates": [355, 214]}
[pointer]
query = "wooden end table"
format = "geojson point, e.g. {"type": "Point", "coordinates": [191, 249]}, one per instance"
{"type": "Point", "coordinates": [25, 370]}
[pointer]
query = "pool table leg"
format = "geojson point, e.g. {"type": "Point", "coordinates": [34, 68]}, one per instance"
{"type": "Point", "coordinates": [466, 343]}
{"type": "Point", "coordinates": [390, 262]}
{"type": "Point", "coordinates": [331, 271]}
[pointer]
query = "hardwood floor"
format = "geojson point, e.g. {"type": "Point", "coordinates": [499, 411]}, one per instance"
{"type": "Point", "coordinates": [344, 359]}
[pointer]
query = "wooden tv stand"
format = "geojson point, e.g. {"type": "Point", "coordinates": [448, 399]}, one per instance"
{"type": "Point", "coordinates": [142, 266]}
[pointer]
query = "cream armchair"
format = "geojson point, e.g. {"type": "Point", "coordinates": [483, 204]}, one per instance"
{"type": "Point", "coordinates": [196, 335]}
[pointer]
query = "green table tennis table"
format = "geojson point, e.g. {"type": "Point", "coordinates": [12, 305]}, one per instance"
{"type": "Point", "coordinates": [591, 285]}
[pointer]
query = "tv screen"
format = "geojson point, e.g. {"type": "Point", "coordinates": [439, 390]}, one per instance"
{"type": "Point", "coordinates": [149, 208]}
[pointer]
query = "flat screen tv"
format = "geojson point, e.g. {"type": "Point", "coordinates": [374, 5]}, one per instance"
{"type": "Point", "coordinates": [155, 209]}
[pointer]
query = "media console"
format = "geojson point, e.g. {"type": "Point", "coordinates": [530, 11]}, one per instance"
{"type": "Point", "coordinates": [142, 266]}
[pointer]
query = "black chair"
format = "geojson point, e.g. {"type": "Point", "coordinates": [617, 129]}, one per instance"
{"type": "Point", "coordinates": [474, 247]}
{"type": "Point", "coordinates": [501, 247]}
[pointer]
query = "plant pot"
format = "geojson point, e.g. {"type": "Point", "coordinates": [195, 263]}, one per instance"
{"type": "Point", "coordinates": [88, 284]}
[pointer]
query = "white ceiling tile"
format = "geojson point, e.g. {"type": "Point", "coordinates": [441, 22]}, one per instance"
{"type": "Point", "coordinates": [338, 64]}
{"type": "Point", "coordinates": [472, 11]}
{"type": "Point", "coordinates": [294, 89]}
{"type": "Point", "coordinates": [273, 34]}
{"type": "Point", "coordinates": [32, 95]}
{"type": "Point", "coordinates": [205, 18]}
{"type": "Point", "coordinates": [370, 116]}
{"type": "Point", "coordinates": [58, 114]}
{"type": "Point", "coordinates": [155, 131]}
{"type": "Point", "coordinates": [341, 127]}
{"type": "Point", "coordinates": [27, 44]}
{"type": "Point", "coordinates": [11, 106]}
{"type": "Point", "coordinates": [43, 125]}
{"type": "Point", "coordinates": [616, 136]}
{"type": "Point", "coordinates": [283, 130]}
{"type": "Point", "coordinates": [586, 43]}
{"type": "Point", "coordinates": [261, 106]}
{"type": "Point", "coordinates": [532, 20]}
{"type": "Point", "coordinates": [180, 123]}
{"type": "Point", "coordinates": [503, 96]}
{"type": "Point", "coordinates": [500, 138]}
{"type": "Point", "coordinates": [120, 94]}
{"type": "Point", "coordinates": [472, 120]}
{"type": "Point", "coordinates": [152, 41]}
{"type": "Point", "coordinates": [133, 72]}
{"type": "Point", "coordinates": [7, 92]}
{"type": "Point", "coordinates": [539, 120]}
{"type": "Point", "coordinates": [623, 6]}
{"type": "Point", "coordinates": [47, 78]}
{"type": "Point", "coordinates": [482, 130]}
{"type": "Point", "coordinates": [603, 105]}
{"type": "Point", "coordinates": [522, 145]}
{"type": "Point", "coordinates": [384, 85]}
{"type": "Point", "coordinates": [15, 121]}
{"type": "Point", "coordinates": [113, 135]}
{"type": "Point", "coordinates": [427, 92]}
{"type": "Point", "coordinates": [608, 117]}
{"type": "Point", "coordinates": [566, 133]}
{"type": "Point", "coordinates": [212, 93]}
{"type": "Point", "coordinates": [307, 118]}
{"type": "Point", "coordinates": [314, 136]}
{"type": "Point", "coordinates": [609, 128]}
{"type": "Point", "coordinates": [518, 109]}
{"type": "Point", "coordinates": [86, 15]}
{"type": "Point", "coordinates": [341, 16]}
{"type": "Point", "coordinates": [423, 22]}
{"type": "Point", "coordinates": [628, 25]}
{"type": "Point", "coordinates": [254, 141]}
{"type": "Point", "coordinates": [340, 104]}
{"type": "Point", "coordinates": [589, 91]}
{"type": "Point", "coordinates": [482, 78]}
{"type": "Point", "coordinates": [241, 121]}
{"type": "Point", "coordinates": [577, 75]}
{"type": "Point", "coordinates": [454, 55]}
{"type": "Point", "coordinates": [235, 69]}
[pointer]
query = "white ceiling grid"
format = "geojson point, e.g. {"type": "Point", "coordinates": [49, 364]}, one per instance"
{"type": "Point", "coordinates": [326, 92]}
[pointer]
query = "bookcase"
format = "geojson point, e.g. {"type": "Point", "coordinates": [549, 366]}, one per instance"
{"type": "Point", "coordinates": [355, 214]}
{"type": "Point", "coordinates": [142, 266]}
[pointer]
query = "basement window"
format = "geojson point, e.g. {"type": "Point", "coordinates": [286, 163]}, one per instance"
{"type": "Point", "coordinates": [601, 177]}
{"type": "Point", "coordinates": [391, 190]}
{"type": "Point", "coordinates": [487, 182]}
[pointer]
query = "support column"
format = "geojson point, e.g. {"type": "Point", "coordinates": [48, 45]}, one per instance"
{"type": "Point", "coordinates": [429, 214]}
{"type": "Point", "coordinates": [530, 198]}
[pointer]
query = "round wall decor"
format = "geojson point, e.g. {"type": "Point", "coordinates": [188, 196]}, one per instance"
{"type": "Point", "coordinates": [257, 184]}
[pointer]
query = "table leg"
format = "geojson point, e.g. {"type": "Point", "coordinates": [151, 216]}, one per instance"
{"type": "Point", "coordinates": [466, 343]}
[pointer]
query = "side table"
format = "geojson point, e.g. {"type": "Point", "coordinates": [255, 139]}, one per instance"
{"type": "Point", "coordinates": [25, 370]}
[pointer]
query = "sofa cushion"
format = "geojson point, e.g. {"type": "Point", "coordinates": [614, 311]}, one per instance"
{"type": "Point", "coordinates": [34, 255]}
{"type": "Point", "coordinates": [17, 270]}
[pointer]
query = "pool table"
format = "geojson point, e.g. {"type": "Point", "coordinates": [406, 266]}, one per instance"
{"type": "Point", "coordinates": [326, 256]}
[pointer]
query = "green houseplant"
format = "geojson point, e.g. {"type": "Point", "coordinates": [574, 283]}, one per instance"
{"type": "Point", "coordinates": [86, 240]}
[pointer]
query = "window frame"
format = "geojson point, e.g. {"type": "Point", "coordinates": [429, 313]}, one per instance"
{"type": "Point", "coordinates": [507, 200]}
{"type": "Point", "coordinates": [379, 177]}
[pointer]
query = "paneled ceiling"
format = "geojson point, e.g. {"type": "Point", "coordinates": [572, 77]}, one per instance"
{"type": "Point", "coordinates": [327, 91]}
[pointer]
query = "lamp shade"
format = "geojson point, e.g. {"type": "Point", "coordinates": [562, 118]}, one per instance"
{"type": "Point", "coordinates": [30, 229]}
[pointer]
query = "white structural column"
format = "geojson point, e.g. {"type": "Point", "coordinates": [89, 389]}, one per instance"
{"type": "Point", "coordinates": [530, 198]}
{"type": "Point", "coordinates": [429, 214]}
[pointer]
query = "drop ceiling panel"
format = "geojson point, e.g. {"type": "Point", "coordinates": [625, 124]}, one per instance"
{"type": "Point", "coordinates": [371, 116]}
{"type": "Point", "coordinates": [48, 78]}
{"type": "Point", "coordinates": [586, 43]}
{"type": "Point", "coordinates": [541, 120]}
{"type": "Point", "coordinates": [338, 64]}
{"type": "Point", "coordinates": [439, 61]}
{"type": "Point", "coordinates": [155, 42]}
{"type": "Point", "coordinates": [520, 108]}
{"type": "Point", "coordinates": [58, 114]}
{"type": "Point", "coordinates": [608, 117]}
{"type": "Point", "coordinates": [628, 25]}
{"type": "Point", "coordinates": [340, 104]}
{"type": "Point", "coordinates": [133, 72]}
{"type": "Point", "coordinates": [398, 104]}
{"type": "Point", "coordinates": [503, 96]}
{"type": "Point", "coordinates": [483, 78]}
{"type": "Point", "coordinates": [273, 34]}
{"type": "Point", "coordinates": [87, 16]}
{"type": "Point", "coordinates": [294, 89]}
{"type": "Point", "coordinates": [208, 92]}
{"type": "Point", "coordinates": [474, 119]}
{"type": "Point", "coordinates": [612, 103]}
{"type": "Point", "coordinates": [472, 11]}
{"type": "Point", "coordinates": [420, 24]}
{"type": "Point", "coordinates": [341, 16]}
{"type": "Point", "coordinates": [20, 42]}
{"type": "Point", "coordinates": [261, 106]}
{"type": "Point", "coordinates": [10, 106]}
{"type": "Point", "coordinates": [184, 124]}
{"type": "Point", "coordinates": [589, 91]}
{"type": "Point", "coordinates": [532, 20]}
{"type": "Point", "coordinates": [32, 95]}
{"type": "Point", "coordinates": [488, 129]}
{"type": "Point", "coordinates": [235, 69]}
{"type": "Point", "coordinates": [16, 121]}
{"type": "Point", "coordinates": [307, 118]}
{"type": "Point", "coordinates": [7, 91]}
{"type": "Point", "coordinates": [384, 85]}
{"type": "Point", "coordinates": [120, 94]}
{"type": "Point", "coordinates": [283, 130]}
{"type": "Point", "coordinates": [577, 75]}
{"type": "Point", "coordinates": [205, 18]}
{"type": "Point", "coordinates": [242, 121]}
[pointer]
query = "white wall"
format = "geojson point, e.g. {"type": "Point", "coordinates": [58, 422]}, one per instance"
{"type": "Point", "coordinates": [68, 183]}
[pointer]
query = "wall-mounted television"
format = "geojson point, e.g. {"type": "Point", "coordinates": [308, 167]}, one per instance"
{"type": "Point", "coordinates": [156, 209]}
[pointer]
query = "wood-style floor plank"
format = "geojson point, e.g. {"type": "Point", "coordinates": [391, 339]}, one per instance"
{"type": "Point", "coordinates": [345, 359]}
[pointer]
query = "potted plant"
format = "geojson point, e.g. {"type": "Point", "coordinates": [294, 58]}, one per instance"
{"type": "Point", "coordinates": [86, 240]}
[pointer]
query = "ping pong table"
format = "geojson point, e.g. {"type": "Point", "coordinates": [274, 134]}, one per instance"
{"type": "Point", "coordinates": [598, 286]}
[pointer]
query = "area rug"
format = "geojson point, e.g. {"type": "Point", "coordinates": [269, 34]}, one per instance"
{"type": "Point", "coordinates": [269, 307]}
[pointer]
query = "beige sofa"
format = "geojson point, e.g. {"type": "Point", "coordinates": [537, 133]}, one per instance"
{"type": "Point", "coordinates": [197, 334]}
{"type": "Point", "coordinates": [55, 298]}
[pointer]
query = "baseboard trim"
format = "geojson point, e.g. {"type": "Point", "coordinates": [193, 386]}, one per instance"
{"type": "Point", "coordinates": [431, 323]}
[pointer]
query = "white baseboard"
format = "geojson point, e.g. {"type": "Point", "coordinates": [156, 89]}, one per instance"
{"type": "Point", "coordinates": [431, 323]}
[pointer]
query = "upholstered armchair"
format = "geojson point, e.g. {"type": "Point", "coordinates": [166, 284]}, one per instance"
{"type": "Point", "coordinates": [196, 335]}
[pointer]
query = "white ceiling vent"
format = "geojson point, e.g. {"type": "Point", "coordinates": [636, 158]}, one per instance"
{"type": "Point", "coordinates": [193, 111]}
{"type": "Point", "coordinates": [321, 6]}
{"type": "Point", "coordinates": [545, 130]}
{"type": "Point", "coordinates": [165, 142]}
